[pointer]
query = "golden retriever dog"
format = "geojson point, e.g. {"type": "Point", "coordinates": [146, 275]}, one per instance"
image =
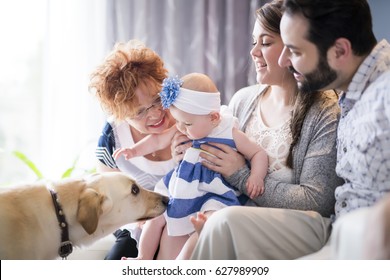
{"type": "Point", "coordinates": [33, 226]}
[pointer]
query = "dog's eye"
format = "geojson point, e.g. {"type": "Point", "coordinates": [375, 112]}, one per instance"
{"type": "Point", "coordinates": [134, 189]}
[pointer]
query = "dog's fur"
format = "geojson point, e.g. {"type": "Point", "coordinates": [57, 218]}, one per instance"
{"type": "Point", "coordinates": [94, 207]}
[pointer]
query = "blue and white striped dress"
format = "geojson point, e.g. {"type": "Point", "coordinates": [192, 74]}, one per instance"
{"type": "Point", "coordinates": [193, 187]}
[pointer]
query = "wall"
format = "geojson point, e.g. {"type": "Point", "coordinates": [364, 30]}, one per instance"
{"type": "Point", "coordinates": [380, 14]}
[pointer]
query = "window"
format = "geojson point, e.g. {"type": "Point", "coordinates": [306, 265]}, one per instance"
{"type": "Point", "coordinates": [22, 27]}
{"type": "Point", "coordinates": [48, 50]}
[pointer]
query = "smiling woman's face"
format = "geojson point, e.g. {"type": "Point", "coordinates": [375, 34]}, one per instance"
{"type": "Point", "coordinates": [154, 119]}
{"type": "Point", "coordinates": [267, 47]}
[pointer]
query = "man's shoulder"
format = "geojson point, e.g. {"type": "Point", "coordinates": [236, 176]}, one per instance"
{"type": "Point", "coordinates": [379, 87]}
{"type": "Point", "coordinates": [384, 79]}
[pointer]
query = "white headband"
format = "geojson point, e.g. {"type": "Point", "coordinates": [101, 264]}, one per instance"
{"type": "Point", "coordinates": [189, 101]}
{"type": "Point", "coordinates": [197, 102]}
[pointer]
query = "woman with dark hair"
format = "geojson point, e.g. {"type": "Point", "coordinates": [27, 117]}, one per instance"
{"type": "Point", "coordinates": [298, 132]}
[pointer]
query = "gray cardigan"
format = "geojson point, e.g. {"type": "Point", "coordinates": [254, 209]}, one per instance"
{"type": "Point", "coordinates": [314, 157]}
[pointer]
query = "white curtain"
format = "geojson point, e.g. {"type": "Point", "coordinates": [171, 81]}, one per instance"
{"type": "Point", "coordinates": [71, 117]}
{"type": "Point", "coordinates": [212, 37]}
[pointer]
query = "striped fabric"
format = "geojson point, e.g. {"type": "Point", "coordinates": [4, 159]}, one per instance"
{"type": "Point", "coordinates": [106, 147]}
{"type": "Point", "coordinates": [146, 172]}
{"type": "Point", "coordinates": [193, 188]}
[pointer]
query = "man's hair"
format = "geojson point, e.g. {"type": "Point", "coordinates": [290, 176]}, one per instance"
{"type": "Point", "coordinates": [333, 19]}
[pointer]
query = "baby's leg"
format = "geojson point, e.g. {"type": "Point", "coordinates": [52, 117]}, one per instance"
{"type": "Point", "coordinates": [170, 246]}
{"type": "Point", "coordinates": [150, 238]}
{"type": "Point", "coordinates": [189, 246]}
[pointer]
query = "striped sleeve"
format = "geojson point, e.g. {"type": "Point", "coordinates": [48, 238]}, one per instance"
{"type": "Point", "coordinates": [106, 146]}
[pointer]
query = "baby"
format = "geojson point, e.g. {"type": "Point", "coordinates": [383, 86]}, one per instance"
{"type": "Point", "coordinates": [195, 103]}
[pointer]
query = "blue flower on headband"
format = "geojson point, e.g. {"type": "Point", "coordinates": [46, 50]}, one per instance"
{"type": "Point", "coordinates": [170, 90]}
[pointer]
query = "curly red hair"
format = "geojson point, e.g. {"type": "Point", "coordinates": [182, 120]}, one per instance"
{"type": "Point", "coordinates": [126, 67]}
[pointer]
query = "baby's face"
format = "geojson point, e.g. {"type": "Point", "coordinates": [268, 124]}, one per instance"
{"type": "Point", "coordinates": [194, 126]}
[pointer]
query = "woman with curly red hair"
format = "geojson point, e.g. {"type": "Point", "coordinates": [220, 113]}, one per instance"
{"type": "Point", "coordinates": [127, 84]}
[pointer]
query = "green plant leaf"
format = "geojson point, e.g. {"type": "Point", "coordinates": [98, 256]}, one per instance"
{"type": "Point", "coordinates": [68, 172]}
{"type": "Point", "coordinates": [28, 162]}
{"type": "Point", "coordinates": [91, 170]}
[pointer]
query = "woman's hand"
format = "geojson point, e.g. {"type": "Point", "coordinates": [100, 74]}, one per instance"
{"type": "Point", "coordinates": [179, 146]}
{"type": "Point", "coordinates": [224, 160]}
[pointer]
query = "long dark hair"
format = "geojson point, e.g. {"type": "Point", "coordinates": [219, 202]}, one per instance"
{"type": "Point", "coordinates": [269, 16]}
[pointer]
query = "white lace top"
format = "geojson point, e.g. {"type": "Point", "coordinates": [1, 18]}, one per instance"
{"type": "Point", "coordinates": [275, 141]}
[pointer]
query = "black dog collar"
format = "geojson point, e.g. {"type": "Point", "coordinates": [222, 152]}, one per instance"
{"type": "Point", "coordinates": [66, 247]}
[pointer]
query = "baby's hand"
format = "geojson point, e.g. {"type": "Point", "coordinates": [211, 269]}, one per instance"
{"type": "Point", "coordinates": [199, 221]}
{"type": "Point", "coordinates": [254, 186]}
{"type": "Point", "coordinates": [179, 146]}
{"type": "Point", "coordinates": [127, 152]}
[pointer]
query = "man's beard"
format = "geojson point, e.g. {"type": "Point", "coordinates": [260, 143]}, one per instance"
{"type": "Point", "coordinates": [318, 79]}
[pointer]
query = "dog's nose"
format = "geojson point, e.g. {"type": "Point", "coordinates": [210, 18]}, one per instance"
{"type": "Point", "coordinates": [165, 200]}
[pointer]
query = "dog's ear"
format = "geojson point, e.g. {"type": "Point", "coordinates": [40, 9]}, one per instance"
{"type": "Point", "coordinates": [89, 210]}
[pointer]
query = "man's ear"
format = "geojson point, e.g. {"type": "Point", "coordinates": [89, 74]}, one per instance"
{"type": "Point", "coordinates": [341, 50]}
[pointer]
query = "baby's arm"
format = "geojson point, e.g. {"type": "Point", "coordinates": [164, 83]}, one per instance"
{"type": "Point", "coordinates": [259, 162]}
{"type": "Point", "coordinates": [149, 144]}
